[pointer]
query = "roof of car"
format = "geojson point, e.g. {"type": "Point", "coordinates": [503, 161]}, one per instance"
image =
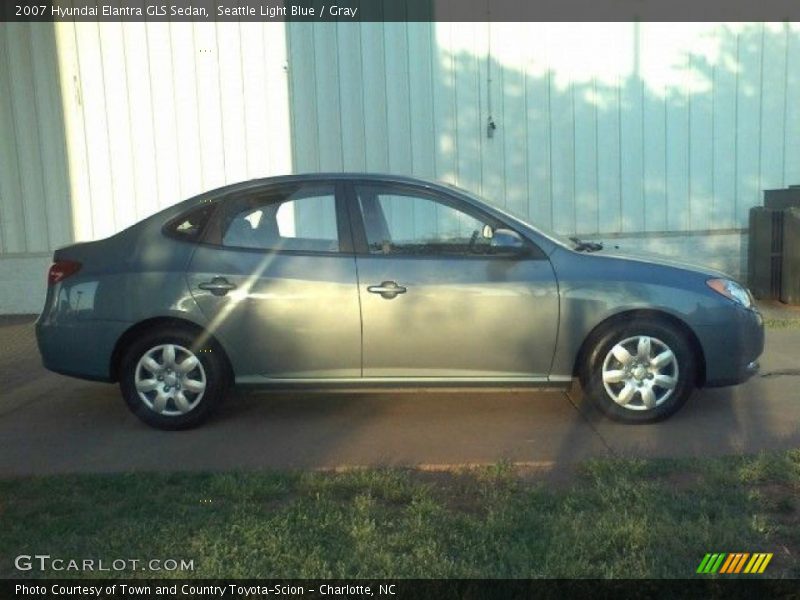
{"type": "Point", "coordinates": [384, 177]}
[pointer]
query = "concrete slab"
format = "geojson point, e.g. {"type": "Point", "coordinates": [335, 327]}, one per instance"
{"type": "Point", "coordinates": [53, 424]}
{"type": "Point", "coordinates": [762, 414]}
{"type": "Point", "coordinates": [85, 427]}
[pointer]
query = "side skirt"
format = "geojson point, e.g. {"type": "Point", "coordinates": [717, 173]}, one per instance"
{"type": "Point", "coordinates": [407, 383]}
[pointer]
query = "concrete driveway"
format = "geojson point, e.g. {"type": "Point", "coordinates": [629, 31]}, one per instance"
{"type": "Point", "coordinates": [53, 424]}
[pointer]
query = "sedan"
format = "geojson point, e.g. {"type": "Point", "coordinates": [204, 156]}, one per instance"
{"type": "Point", "coordinates": [355, 280]}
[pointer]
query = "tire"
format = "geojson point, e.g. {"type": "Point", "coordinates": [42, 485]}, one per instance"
{"type": "Point", "coordinates": [169, 382]}
{"type": "Point", "coordinates": [636, 381]}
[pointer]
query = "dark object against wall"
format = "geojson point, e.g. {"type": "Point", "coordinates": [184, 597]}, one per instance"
{"type": "Point", "coordinates": [765, 252]}
{"type": "Point", "coordinates": [790, 274]}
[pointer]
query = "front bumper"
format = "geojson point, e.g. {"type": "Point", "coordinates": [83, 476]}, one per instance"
{"type": "Point", "coordinates": [732, 346]}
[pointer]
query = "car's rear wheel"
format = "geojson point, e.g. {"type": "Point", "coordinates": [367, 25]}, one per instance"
{"type": "Point", "coordinates": [170, 381]}
{"type": "Point", "coordinates": [639, 371]}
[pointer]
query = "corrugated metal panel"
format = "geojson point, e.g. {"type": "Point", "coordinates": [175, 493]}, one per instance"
{"type": "Point", "coordinates": [376, 117]}
{"type": "Point", "coordinates": [151, 114]}
{"type": "Point", "coordinates": [34, 215]}
{"type": "Point", "coordinates": [601, 127]}
{"type": "Point", "coordinates": [791, 132]}
{"type": "Point", "coordinates": [723, 213]}
{"type": "Point", "coordinates": [158, 112]}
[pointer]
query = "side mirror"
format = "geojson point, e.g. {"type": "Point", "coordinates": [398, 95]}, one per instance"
{"type": "Point", "coordinates": [505, 241]}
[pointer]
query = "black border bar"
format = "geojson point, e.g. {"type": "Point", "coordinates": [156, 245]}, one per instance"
{"type": "Point", "coordinates": [700, 587]}
{"type": "Point", "coordinates": [398, 10]}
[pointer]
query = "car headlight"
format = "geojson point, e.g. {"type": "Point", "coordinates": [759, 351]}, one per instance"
{"type": "Point", "coordinates": [731, 290]}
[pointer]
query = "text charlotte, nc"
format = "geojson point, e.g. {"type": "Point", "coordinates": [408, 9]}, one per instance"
{"type": "Point", "coordinates": [192, 590]}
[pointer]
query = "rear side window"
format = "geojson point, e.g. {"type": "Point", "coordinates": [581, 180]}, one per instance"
{"type": "Point", "coordinates": [302, 220]}
{"type": "Point", "coordinates": [190, 225]}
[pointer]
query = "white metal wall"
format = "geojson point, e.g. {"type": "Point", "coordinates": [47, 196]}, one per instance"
{"type": "Point", "coordinates": [34, 193]}
{"type": "Point", "coordinates": [103, 124]}
{"type": "Point", "coordinates": [158, 112]}
{"type": "Point", "coordinates": [601, 127]}
{"type": "Point", "coordinates": [34, 190]}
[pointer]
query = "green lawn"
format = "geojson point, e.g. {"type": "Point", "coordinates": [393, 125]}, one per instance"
{"type": "Point", "coordinates": [790, 323]}
{"type": "Point", "coordinates": [613, 518]}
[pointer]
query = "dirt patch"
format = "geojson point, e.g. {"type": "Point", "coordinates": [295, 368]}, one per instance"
{"type": "Point", "coordinates": [780, 502]}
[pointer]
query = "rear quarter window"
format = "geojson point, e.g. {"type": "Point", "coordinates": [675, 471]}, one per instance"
{"type": "Point", "coordinates": [190, 225]}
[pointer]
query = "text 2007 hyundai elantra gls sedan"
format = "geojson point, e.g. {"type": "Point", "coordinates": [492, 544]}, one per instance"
{"type": "Point", "coordinates": [366, 280]}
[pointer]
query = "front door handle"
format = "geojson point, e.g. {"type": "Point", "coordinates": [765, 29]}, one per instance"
{"type": "Point", "coordinates": [387, 289]}
{"type": "Point", "coordinates": [219, 286]}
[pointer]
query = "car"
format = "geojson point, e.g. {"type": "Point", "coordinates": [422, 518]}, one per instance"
{"type": "Point", "coordinates": [353, 280]}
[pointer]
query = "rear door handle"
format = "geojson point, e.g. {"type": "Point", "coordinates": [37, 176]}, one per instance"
{"type": "Point", "coordinates": [219, 286]}
{"type": "Point", "coordinates": [387, 289]}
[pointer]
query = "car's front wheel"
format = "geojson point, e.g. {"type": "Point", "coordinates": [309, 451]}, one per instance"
{"type": "Point", "coordinates": [639, 371]}
{"type": "Point", "coordinates": [170, 381]}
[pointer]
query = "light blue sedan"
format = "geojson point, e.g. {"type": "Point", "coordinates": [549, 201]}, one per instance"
{"type": "Point", "coordinates": [365, 280]}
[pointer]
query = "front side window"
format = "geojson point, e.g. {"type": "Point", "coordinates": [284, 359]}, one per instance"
{"type": "Point", "coordinates": [301, 220]}
{"type": "Point", "coordinates": [403, 222]}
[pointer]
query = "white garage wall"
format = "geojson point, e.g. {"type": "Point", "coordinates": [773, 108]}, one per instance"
{"type": "Point", "coordinates": [104, 124]}
{"type": "Point", "coordinates": [34, 191]}
{"type": "Point", "coordinates": [643, 130]}
{"type": "Point", "coordinates": [601, 127]}
{"type": "Point", "coordinates": [34, 196]}
{"type": "Point", "coordinates": [664, 133]}
{"type": "Point", "coordinates": [158, 112]}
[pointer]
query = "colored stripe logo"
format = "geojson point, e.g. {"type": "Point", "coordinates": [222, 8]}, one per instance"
{"type": "Point", "coordinates": [736, 562]}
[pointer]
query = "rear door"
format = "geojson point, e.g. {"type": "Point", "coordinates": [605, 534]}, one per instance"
{"type": "Point", "coordinates": [276, 280]}
{"type": "Point", "coordinates": [436, 302]}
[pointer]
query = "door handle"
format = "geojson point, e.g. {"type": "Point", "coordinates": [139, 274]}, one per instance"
{"type": "Point", "coordinates": [219, 286]}
{"type": "Point", "coordinates": [387, 289]}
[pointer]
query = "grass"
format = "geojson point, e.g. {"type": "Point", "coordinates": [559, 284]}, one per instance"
{"type": "Point", "coordinates": [790, 323]}
{"type": "Point", "coordinates": [613, 518]}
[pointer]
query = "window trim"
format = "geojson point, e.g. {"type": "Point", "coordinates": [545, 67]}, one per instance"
{"type": "Point", "coordinates": [212, 236]}
{"type": "Point", "coordinates": [361, 245]}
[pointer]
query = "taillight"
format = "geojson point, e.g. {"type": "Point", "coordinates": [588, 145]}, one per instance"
{"type": "Point", "coordinates": [61, 269]}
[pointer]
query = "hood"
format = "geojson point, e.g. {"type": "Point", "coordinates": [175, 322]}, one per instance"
{"type": "Point", "coordinates": [659, 259]}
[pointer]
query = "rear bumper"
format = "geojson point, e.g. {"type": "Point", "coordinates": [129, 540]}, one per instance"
{"type": "Point", "coordinates": [732, 346]}
{"type": "Point", "coordinates": [80, 349]}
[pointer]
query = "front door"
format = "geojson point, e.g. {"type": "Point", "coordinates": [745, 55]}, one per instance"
{"type": "Point", "coordinates": [437, 302]}
{"type": "Point", "coordinates": [276, 280]}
